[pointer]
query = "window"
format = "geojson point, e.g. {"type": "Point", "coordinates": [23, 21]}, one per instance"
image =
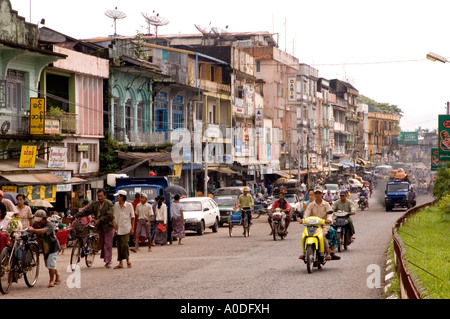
{"type": "Point", "coordinates": [161, 109]}
{"type": "Point", "coordinates": [258, 66]}
{"type": "Point", "coordinates": [177, 112]}
{"type": "Point", "coordinates": [213, 73]}
{"type": "Point", "coordinates": [73, 156]}
{"type": "Point", "coordinates": [93, 153]}
{"type": "Point", "coordinates": [15, 90]}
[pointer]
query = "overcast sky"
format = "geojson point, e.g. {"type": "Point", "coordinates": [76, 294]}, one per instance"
{"type": "Point", "coordinates": [378, 46]}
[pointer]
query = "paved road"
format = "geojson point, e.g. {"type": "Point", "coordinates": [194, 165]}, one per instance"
{"type": "Point", "coordinates": [215, 266]}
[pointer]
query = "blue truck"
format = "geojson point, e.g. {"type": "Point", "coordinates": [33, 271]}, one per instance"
{"type": "Point", "coordinates": [396, 195]}
{"type": "Point", "coordinates": [152, 186]}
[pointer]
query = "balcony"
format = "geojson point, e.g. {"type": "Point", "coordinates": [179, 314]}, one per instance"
{"type": "Point", "coordinates": [18, 124]}
{"type": "Point", "coordinates": [210, 86]}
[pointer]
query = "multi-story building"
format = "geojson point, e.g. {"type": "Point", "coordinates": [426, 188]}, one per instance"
{"type": "Point", "coordinates": [383, 129]}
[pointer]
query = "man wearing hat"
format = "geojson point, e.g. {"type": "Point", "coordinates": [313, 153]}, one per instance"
{"type": "Point", "coordinates": [245, 201]}
{"type": "Point", "coordinates": [144, 214]}
{"type": "Point", "coordinates": [322, 209]}
{"type": "Point", "coordinates": [49, 243]}
{"type": "Point", "coordinates": [124, 226]}
{"type": "Point", "coordinates": [346, 205]}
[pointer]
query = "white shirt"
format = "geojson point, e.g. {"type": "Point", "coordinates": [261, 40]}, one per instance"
{"type": "Point", "coordinates": [144, 211]}
{"type": "Point", "coordinates": [123, 216]}
{"type": "Point", "coordinates": [161, 213]}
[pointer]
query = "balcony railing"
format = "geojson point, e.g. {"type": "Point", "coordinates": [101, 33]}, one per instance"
{"type": "Point", "coordinates": [18, 124]}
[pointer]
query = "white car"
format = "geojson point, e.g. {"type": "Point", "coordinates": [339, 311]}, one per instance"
{"type": "Point", "coordinates": [200, 213]}
{"type": "Point", "coordinates": [355, 185]}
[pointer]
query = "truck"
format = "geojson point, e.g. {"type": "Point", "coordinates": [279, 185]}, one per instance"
{"type": "Point", "coordinates": [396, 194]}
{"type": "Point", "coordinates": [152, 186]}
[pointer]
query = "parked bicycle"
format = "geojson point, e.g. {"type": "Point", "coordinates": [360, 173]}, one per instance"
{"type": "Point", "coordinates": [20, 257]}
{"type": "Point", "coordinates": [85, 244]}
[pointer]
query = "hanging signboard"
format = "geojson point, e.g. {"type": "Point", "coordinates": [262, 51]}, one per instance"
{"type": "Point", "coordinates": [57, 157]}
{"type": "Point", "coordinates": [292, 88]}
{"type": "Point", "coordinates": [37, 116]}
{"type": "Point", "coordinates": [444, 138]}
{"type": "Point", "coordinates": [27, 156]}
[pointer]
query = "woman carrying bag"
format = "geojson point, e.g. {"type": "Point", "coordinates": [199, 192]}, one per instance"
{"type": "Point", "coordinates": [161, 222]}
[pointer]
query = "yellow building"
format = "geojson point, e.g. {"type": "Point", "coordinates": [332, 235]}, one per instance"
{"type": "Point", "coordinates": [384, 130]}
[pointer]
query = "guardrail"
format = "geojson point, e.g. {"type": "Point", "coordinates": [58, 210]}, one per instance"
{"type": "Point", "coordinates": [408, 290]}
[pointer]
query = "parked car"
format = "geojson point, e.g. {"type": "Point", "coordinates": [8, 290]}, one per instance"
{"type": "Point", "coordinates": [227, 205]}
{"type": "Point", "coordinates": [200, 213]}
{"type": "Point", "coordinates": [355, 185]}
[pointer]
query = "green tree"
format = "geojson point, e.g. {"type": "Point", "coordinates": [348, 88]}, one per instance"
{"type": "Point", "coordinates": [442, 183]}
{"type": "Point", "coordinates": [109, 160]}
{"type": "Point", "coordinates": [377, 107]}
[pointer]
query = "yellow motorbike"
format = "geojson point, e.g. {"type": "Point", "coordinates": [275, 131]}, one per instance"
{"type": "Point", "coordinates": [313, 243]}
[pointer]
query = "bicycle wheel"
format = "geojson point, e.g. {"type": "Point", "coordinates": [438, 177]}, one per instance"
{"type": "Point", "coordinates": [75, 256]}
{"type": "Point", "coordinates": [90, 251]}
{"type": "Point", "coordinates": [5, 272]}
{"type": "Point", "coordinates": [245, 225]}
{"type": "Point", "coordinates": [230, 229]}
{"type": "Point", "coordinates": [31, 272]}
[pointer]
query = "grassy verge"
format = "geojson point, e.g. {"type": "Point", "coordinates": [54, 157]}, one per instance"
{"type": "Point", "coordinates": [426, 235]}
{"type": "Point", "coordinates": [393, 286]}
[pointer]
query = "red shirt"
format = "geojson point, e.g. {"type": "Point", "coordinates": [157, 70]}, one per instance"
{"type": "Point", "coordinates": [277, 204]}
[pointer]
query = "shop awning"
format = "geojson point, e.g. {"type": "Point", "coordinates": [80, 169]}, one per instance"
{"type": "Point", "coordinates": [33, 179]}
{"type": "Point", "coordinates": [77, 180]}
{"type": "Point", "coordinates": [223, 170]}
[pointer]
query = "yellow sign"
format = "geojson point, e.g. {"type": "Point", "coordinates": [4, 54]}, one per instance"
{"type": "Point", "coordinates": [177, 170]}
{"type": "Point", "coordinates": [37, 116]}
{"type": "Point", "coordinates": [27, 156]}
{"type": "Point", "coordinates": [10, 189]}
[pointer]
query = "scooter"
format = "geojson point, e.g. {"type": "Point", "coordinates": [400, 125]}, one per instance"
{"type": "Point", "coordinates": [341, 225]}
{"type": "Point", "coordinates": [278, 224]}
{"type": "Point", "coordinates": [313, 243]}
{"type": "Point", "coordinates": [362, 202]}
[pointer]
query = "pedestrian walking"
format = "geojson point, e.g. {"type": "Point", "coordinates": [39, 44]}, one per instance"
{"type": "Point", "coordinates": [144, 215]}
{"type": "Point", "coordinates": [135, 202]}
{"type": "Point", "coordinates": [50, 244]}
{"type": "Point", "coordinates": [176, 212]}
{"type": "Point", "coordinates": [161, 222]}
{"type": "Point", "coordinates": [102, 209]}
{"type": "Point", "coordinates": [124, 226]}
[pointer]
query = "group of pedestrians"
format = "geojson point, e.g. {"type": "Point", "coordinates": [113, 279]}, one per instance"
{"type": "Point", "coordinates": [140, 220]}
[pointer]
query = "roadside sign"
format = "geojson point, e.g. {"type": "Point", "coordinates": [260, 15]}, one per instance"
{"type": "Point", "coordinates": [444, 138]}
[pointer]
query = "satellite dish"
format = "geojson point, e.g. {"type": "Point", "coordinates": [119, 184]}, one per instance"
{"type": "Point", "coordinates": [204, 30]}
{"type": "Point", "coordinates": [115, 15]}
{"type": "Point", "coordinates": [155, 21]}
{"type": "Point", "coordinates": [222, 33]}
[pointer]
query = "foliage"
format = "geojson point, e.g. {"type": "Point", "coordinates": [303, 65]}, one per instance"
{"type": "Point", "coordinates": [442, 183]}
{"type": "Point", "coordinates": [109, 160]}
{"type": "Point", "coordinates": [55, 111]}
{"type": "Point", "coordinates": [377, 107]}
{"type": "Point", "coordinates": [139, 51]}
{"type": "Point", "coordinates": [426, 237]}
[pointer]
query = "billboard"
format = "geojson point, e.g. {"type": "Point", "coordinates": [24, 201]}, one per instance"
{"type": "Point", "coordinates": [435, 163]}
{"type": "Point", "coordinates": [408, 138]}
{"type": "Point", "coordinates": [444, 138]}
{"type": "Point", "coordinates": [37, 116]}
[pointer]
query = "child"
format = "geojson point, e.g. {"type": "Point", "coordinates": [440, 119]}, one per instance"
{"type": "Point", "coordinates": [62, 236]}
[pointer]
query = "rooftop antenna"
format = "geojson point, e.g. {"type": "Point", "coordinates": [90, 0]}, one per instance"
{"type": "Point", "coordinates": [206, 31]}
{"type": "Point", "coordinates": [156, 21]}
{"type": "Point", "coordinates": [115, 15]}
{"type": "Point", "coordinates": [222, 33]}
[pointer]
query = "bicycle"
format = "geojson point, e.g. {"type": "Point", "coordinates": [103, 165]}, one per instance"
{"type": "Point", "coordinates": [20, 257]}
{"type": "Point", "coordinates": [239, 219]}
{"type": "Point", "coordinates": [82, 249]}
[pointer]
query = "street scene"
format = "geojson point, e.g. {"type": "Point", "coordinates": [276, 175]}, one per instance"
{"type": "Point", "coordinates": [208, 164]}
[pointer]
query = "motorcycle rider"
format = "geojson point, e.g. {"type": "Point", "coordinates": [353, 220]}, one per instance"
{"type": "Point", "coordinates": [284, 205]}
{"type": "Point", "coordinates": [319, 208]}
{"type": "Point", "coordinates": [346, 205]}
{"type": "Point", "coordinates": [246, 201]}
{"type": "Point", "coordinates": [328, 197]}
{"type": "Point", "coordinates": [366, 195]}
{"type": "Point", "coordinates": [412, 197]}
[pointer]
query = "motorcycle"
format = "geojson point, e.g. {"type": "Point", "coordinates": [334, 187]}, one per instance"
{"type": "Point", "coordinates": [341, 225]}
{"type": "Point", "coordinates": [362, 202]}
{"type": "Point", "coordinates": [278, 224]}
{"type": "Point", "coordinates": [411, 202]}
{"type": "Point", "coordinates": [313, 244]}
{"type": "Point", "coordinates": [261, 206]}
